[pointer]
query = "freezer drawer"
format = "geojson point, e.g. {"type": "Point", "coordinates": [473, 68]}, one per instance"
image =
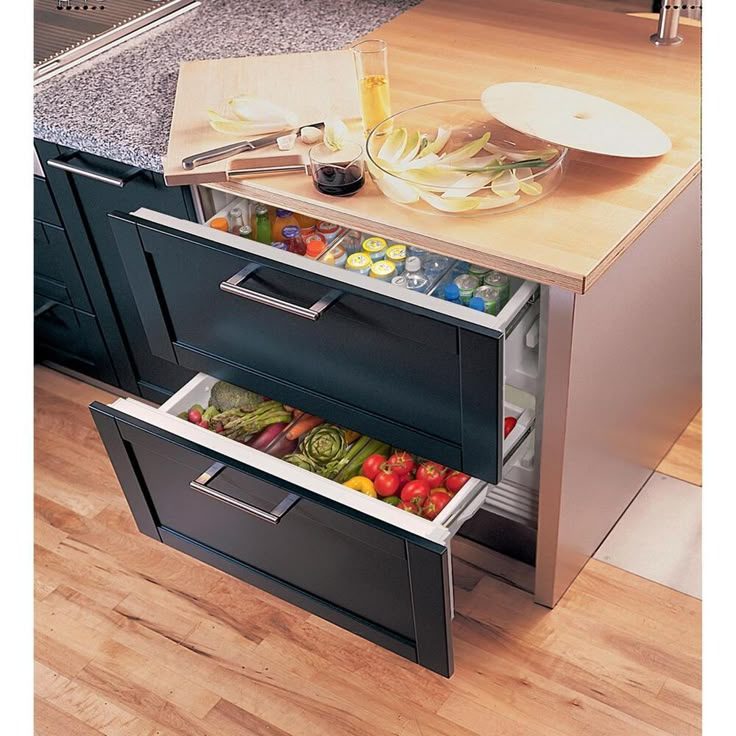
{"type": "Point", "coordinates": [409, 368]}
{"type": "Point", "coordinates": [373, 569]}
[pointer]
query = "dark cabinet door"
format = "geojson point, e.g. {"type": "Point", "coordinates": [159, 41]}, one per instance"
{"type": "Point", "coordinates": [86, 188]}
{"type": "Point", "coordinates": [374, 359]}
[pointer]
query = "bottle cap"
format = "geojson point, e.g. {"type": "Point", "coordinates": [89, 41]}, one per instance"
{"type": "Point", "coordinates": [245, 231]}
{"type": "Point", "coordinates": [477, 303]}
{"type": "Point", "coordinates": [236, 212]}
{"type": "Point", "coordinates": [315, 247]}
{"type": "Point", "coordinates": [261, 209]}
{"type": "Point", "coordinates": [283, 213]}
{"type": "Point", "coordinates": [413, 264]}
{"type": "Point", "coordinates": [280, 245]}
{"type": "Point", "coordinates": [452, 293]}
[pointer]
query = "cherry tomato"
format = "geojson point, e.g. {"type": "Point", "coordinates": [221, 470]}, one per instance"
{"type": "Point", "coordinates": [455, 480]}
{"type": "Point", "coordinates": [402, 463]}
{"type": "Point", "coordinates": [219, 428]}
{"type": "Point", "coordinates": [415, 491]}
{"type": "Point", "coordinates": [386, 482]}
{"type": "Point", "coordinates": [508, 424]}
{"type": "Point", "coordinates": [438, 499]}
{"type": "Point", "coordinates": [195, 416]}
{"type": "Point", "coordinates": [410, 507]}
{"type": "Point", "coordinates": [432, 474]}
{"type": "Point", "coordinates": [204, 424]}
{"type": "Point", "coordinates": [371, 466]}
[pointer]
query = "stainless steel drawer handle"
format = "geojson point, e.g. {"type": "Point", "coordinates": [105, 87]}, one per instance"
{"type": "Point", "coordinates": [272, 517]}
{"type": "Point", "coordinates": [63, 163]}
{"type": "Point", "coordinates": [233, 286]}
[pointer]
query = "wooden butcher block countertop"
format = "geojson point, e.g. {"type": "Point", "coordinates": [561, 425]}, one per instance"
{"type": "Point", "coordinates": [443, 49]}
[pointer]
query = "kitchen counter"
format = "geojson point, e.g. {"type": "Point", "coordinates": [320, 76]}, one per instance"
{"type": "Point", "coordinates": [570, 239]}
{"type": "Point", "coordinates": [119, 104]}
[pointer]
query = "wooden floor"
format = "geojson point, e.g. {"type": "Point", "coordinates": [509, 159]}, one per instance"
{"type": "Point", "coordinates": [135, 639]}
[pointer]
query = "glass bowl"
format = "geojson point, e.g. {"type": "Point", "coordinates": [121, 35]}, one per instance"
{"type": "Point", "coordinates": [453, 158]}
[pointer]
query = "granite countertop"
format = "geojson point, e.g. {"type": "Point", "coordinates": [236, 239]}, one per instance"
{"type": "Point", "coordinates": [119, 104]}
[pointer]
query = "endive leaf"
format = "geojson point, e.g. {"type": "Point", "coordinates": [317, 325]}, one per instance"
{"type": "Point", "coordinates": [505, 185]}
{"type": "Point", "coordinates": [398, 190]}
{"type": "Point", "coordinates": [335, 134]}
{"type": "Point", "coordinates": [468, 150]}
{"type": "Point", "coordinates": [257, 110]}
{"type": "Point", "coordinates": [243, 128]}
{"type": "Point", "coordinates": [443, 135]}
{"type": "Point", "coordinates": [451, 204]}
{"type": "Point", "coordinates": [393, 146]}
{"type": "Point", "coordinates": [491, 203]}
{"type": "Point", "coordinates": [411, 148]}
{"type": "Point", "coordinates": [467, 185]}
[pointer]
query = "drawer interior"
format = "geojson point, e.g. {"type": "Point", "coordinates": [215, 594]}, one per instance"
{"type": "Point", "coordinates": [446, 524]}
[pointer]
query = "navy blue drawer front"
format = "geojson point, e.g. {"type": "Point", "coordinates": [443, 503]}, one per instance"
{"type": "Point", "coordinates": [54, 268]}
{"type": "Point", "coordinates": [71, 338]}
{"type": "Point", "coordinates": [372, 579]}
{"type": "Point", "coordinates": [43, 204]}
{"type": "Point", "coordinates": [398, 372]}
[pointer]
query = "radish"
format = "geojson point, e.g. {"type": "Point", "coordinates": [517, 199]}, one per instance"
{"type": "Point", "coordinates": [264, 438]}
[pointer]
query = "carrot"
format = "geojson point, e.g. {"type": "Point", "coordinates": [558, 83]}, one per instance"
{"type": "Point", "coordinates": [302, 425]}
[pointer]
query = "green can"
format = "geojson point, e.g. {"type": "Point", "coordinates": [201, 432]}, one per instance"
{"type": "Point", "coordinates": [466, 284]}
{"type": "Point", "coordinates": [491, 297]}
{"type": "Point", "coordinates": [501, 282]}
{"type": "Point", "coordinates": [478, 271]}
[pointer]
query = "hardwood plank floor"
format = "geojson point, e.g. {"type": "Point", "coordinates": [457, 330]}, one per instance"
{"type": "Point", "coordinates": [135, 639]}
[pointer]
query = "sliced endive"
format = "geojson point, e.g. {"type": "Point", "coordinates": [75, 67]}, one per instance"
{"type": "Point", "coordinates": [468, 185]}
{"type": "Point", "coordinates": [468, 150]}
{"type": "Point", "coordinates": [527, 184]}
{"type": "Point", "coordinates": [397, 190]}
{"type": "Point", "coordinates": [243, 128]}
{"type": "Point", "coordinates": [335, 134]}
{"type": "Point", "coordinates": [443, 135]}
{"type": "Point", "coordinates": [257, 110]}
{"type": "Point", "coordinates": [451, 204]}
{"type": "Point", "coordinates": [506, 184]}
{"type": "Point", "coordinates": [393, 146]}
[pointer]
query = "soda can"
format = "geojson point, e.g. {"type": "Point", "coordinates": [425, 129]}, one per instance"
{"type": "Point", "coordinates": [501, 282]}
{"type": "Point", "coordinates": [467, 284]}
{"type": "Point", "coordinates": [491, 297]}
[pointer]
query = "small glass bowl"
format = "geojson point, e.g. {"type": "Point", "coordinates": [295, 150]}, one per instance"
{"type": "Point", "coordinates": [434, 191]}
{"type": "Point", "coordinates": [337, 173]}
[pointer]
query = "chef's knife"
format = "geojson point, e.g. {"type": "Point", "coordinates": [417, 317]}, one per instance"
{"type": "Point", "coordinates": [215, 154]}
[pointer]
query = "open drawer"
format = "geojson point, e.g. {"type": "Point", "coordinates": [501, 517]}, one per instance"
{"type": "Point", "coordinates": [363, 564]}
{"type": "Point", "coordinates": [412, 369]}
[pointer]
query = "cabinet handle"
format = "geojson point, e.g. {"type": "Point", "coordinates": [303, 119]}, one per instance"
{"type": "Point", "coordinates": [233, 286]}
{"type": "Point", "coordinates": [45, 307]}
{"type": "Point", "coordinates": [63, 163]}
{"type": "Point", "coordinates": [272, 517]}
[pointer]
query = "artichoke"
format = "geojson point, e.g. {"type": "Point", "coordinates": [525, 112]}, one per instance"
{"type": "Point", "coordinates": [300, 460]}
{"type": "Point", "coordinates": [323, 444]}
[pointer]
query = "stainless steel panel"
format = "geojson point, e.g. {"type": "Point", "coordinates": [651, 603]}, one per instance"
{"type": "Point", "coordinates": [632, 345]}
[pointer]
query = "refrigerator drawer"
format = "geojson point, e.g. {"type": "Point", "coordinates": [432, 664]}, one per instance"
{"type": "Point", "coordinates": [412, 369]}
{"type": "Point", "coordinates": [363, 564]}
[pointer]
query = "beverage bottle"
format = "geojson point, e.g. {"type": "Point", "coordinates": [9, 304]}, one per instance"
{"type": "Point", "coordinates": [290, 236]}
{"type": "Point", "coordinates": [245, 232]}
{"type": "Point", "coordinates": [477, 303]}
{"type": "Point", "coordinates": [236, 220]}
{"type": "Point", "coordinates": [263, 225]}
{"type": "Point", "coordinates": [416, 280]}
{"type": "Point", "coordinates": [434, 264]}
{"type": "Point", "coordinates": [284, 218]}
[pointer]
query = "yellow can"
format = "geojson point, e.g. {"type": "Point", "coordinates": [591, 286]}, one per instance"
{"type": "Point", "coordinates": [397, 255]}
{"type": "Point", "coordinates": [359, 262]}
{"type": "Point", "coordinates": [383, 270]}
{"type": "Point", "coordinates": [375, 248]}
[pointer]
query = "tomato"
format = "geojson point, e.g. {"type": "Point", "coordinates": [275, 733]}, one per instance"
{"type": "Point", "coordinates": [455, 480]}
{"type": "Point", "coordinates": [371, 466]}
{"type": "Point", "coordinates": [402, 463]}
{"type": "Point", "coordinates": [204, 424]}
{"type": "Point", "coordinates": [195, 416]}
{"type": "Point", "coordinates": [410, 507]}
{"type": "Point", "coordinates": [438, 499]}
{"type": "Point", "coordinates": [431, 473]}
{"type": "Point", "coordinates": [415, 492]}
{"type": "Point", "coordinates": [508, 424]}
{"type": "Point", "coordinates": [386, 482]}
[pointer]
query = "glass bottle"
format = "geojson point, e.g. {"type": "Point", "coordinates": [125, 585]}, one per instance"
{"type": "Point", "coordinates": [236, 220]}
{"type": "Point", "coordinates": [245, 232]}
{"type": "Point", "coordinates": [263, 225]}
{"type": "Point", "coordinates": [290, 236]}
{"type": "Point", "coordinates": [416, 280]}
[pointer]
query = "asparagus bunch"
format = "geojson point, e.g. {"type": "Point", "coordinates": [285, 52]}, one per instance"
{"type": "Point", "coordinates": [241, 426]}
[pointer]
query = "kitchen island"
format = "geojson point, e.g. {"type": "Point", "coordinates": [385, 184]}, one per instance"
{"type": "Point", "coordinates": [615, 251]}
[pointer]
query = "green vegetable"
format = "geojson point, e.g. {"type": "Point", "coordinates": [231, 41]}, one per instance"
{"type": "Point", "coordinates": [209, 413]}
{"type": "Point", "coordinates": [323, 443]}
{"type": "Point", "coordinates": [226, 396]}
{"type": "Point", "coordinates": [300, 460]}
{"type": "Point", "coordinates": [269, 412]}
{"type": "Point", "coordinates": [198, 407]}
{"type": "Point", "coordinates": [183, 415]}
{"type": "Point", "coordinates": [352, 462]}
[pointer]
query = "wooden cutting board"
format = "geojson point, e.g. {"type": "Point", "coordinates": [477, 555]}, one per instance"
{"type": "Point", "coordinates": [316, 86]}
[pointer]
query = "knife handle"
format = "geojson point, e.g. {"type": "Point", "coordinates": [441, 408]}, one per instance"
{"type": "Point", "coordinates": [215, 154]}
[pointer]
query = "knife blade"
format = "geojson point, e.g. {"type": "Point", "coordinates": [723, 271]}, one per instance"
{"type": "Point", "coordinates": [216, 154]}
